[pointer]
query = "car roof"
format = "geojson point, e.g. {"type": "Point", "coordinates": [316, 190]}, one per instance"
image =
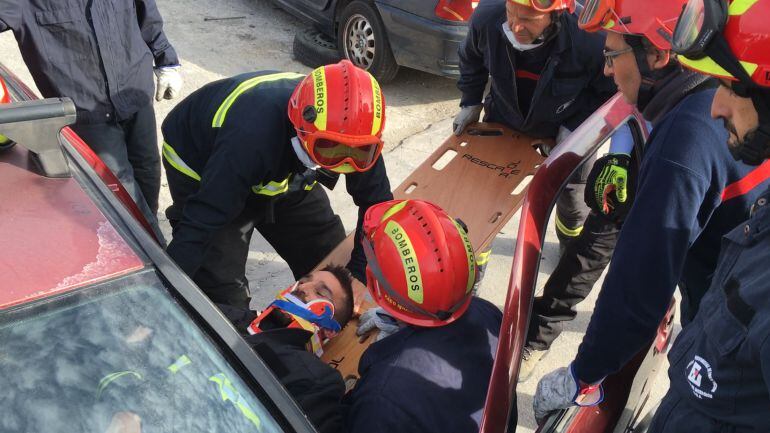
{"type": "Point", "coordinates": [55, 239]}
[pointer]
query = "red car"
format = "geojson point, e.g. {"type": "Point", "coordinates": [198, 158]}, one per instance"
{"type": "Point", "coordinates": [100, 331]}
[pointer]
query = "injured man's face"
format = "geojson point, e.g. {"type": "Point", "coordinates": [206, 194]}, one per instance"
{"type": "Point", "coordinates": [323, 285]}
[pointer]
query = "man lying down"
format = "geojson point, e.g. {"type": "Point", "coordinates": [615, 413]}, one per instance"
{"type": "Point", "coordinates": [288, 334]}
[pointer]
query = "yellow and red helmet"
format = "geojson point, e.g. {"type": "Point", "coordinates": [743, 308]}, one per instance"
{"type": "Point", "coordinates": [338, 112]}
{"type": "Point", "coordinates": [420, 262]}
{"type": "Point", "coordinates": [725, 39]}
{"type": "Point", "coordinates": [653, 19]}
{"type": "Point", "coordinates": [547, 5]}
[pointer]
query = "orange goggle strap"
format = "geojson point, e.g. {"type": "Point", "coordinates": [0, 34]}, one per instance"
{"type": "Point", "coordinates": [408, 304]}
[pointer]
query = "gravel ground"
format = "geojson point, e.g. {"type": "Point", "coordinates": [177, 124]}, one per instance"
{"type": "Point", "coordinates": [419, 116]}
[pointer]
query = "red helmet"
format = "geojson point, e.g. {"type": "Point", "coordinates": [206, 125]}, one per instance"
{"type": "Point", "coordinates": [339, 114]}
{"type": "Point", "coordinates": [421, 267]}
{"type": "Point", "coordinates": [653, 19]}
{"type": "Point", "coordinates": [744, 28]}
{"type": "Point", "coordinates": [547, 5]}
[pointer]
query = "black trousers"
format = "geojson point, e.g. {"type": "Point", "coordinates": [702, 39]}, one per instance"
{"type": "Point", "coordinates": [580, 265]}
{"type": "Point", "coordinates": [301, 226]}
{"type": "Point", "coordinates": [130, 149]}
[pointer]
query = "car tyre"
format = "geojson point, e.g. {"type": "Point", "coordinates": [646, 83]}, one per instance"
{"type": "Point", "coordinates": [362, 40]}
{"type": "Point", "coordinates": [313, 48]}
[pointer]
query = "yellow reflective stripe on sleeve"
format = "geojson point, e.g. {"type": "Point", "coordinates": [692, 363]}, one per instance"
{"type": "Point", "coordinates": [378, 108]}
{"type": "Point", "coordinates": [228, 393]}
{"type": "Point", "coordinates": [560, 226]}
{"type": "Point", "coordinates": [182, 361]}
{"type": "Point", "coordinates": [710, 67]}
{"type": "Point", "coordinates": [219, 116]}
{"type": "Point", "coordinates": [393, 209]}
{"type": "Point", "coordinates": [4, 139]}
{"type": "Point", "coordinates": [739, 7]}
{"type": "Point", "coordinates": [321, 98]}
{"type": "Point", "coordinates": [483, 258]}
{"type": "Point", "coordinates": [470, 256]}
{"type": "Point", "coordinates": [272, 188]}
{"type": "Point", "coordinates": [171, 156]}
{"type": "Point", "coordinates": [408, 256]}
{"type": "Point", "coordinates": [112, 377]}
{"type": "Point", "coordinates": [309, 187]}
{"type": "Point", "coordinates": [523, 2]}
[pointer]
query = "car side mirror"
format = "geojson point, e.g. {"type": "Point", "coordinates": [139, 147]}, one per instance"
{"type": "Point", "coordinates": [36, 126]}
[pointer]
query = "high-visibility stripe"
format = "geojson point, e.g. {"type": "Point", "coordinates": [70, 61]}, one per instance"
{"type": "Point", "coordinates": [469, 255]}
{"type": "Point", "coordinates": [378, 106]}
{"type": "Point", "coordinates": [180, 362]}
{"type": "Point", "coordinates": [739, 7]}
{"type": "Point", "coordinates": [408, 256]}
{"type": "Point", "coordinates": [309, 187]}
{"type": "Point", "coordinates": [560, 226]}
{"type": "Point", "coordinates": [227, 392]}
{"type": "Point", "coordinates": [748, 182]}
{"type": "Point", "coordinates": [219, 116]}
{"type": "Point", "coordinates": [321, 98]}
{"type": "Point", "coordinates": [272, 188]}
{"type": "Point", "coordinates": [708, 66]}
{"type": "Point", "coordinates": [112, 377]}
{"type": "Point", "coordinates": [393, 209]}
{"type": "Point", "coordinates": [173, 158]}
{"type": "Point", "coordinates": [483, 258]}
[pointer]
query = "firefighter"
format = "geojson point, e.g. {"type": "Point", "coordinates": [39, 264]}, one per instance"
{"type": "Point", "coordinates": [690, 192]}
{"type": "Point", "coordinates": [102, 55]}
{"type": "Point", "coordinates": [245, 153]}
{"type": "Point", "coordinates": [432, 374]}
{"type": "Point", "coordinates": [720, 364]}
{"type": "Point", "coordinates": [546, 79]}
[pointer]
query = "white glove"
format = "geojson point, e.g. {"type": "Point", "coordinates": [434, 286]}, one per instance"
{"type": "Point", "coordinates": [377, 318]}
{"type": "Point", "coordinates": [559, 390]}
{"type": "Point", "coordinates": [168, 82]}
{"type": "Point", "coordinates": [465, 117]}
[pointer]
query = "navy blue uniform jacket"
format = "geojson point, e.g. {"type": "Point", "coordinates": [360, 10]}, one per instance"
{"type": "Point", "coordinates": [570, 88]}
{"type": "Point", "coordinates": [251, 147]}
{"type": "Point", "coordinates": [720, 364]}
{"type": "Point", "coordinates": [427, 380]}
{"type": "Point", "coordinates": [99, 53]}
{"type": "Point", "coordinates": [690, 193]}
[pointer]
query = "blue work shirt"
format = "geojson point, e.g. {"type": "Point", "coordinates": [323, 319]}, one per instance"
{"type": "Point", "coordinates": [427, 379]}
{"type": "Point", "coordinates": [720, 364]}
{"type": "Point", "coordinates": [690, 193]}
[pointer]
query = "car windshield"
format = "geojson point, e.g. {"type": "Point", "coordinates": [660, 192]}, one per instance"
{"type": "Point", "coordinates": [117, 357]}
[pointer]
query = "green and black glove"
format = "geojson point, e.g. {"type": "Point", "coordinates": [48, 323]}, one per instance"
{"type": "Point", "coordinates": [607, 191]}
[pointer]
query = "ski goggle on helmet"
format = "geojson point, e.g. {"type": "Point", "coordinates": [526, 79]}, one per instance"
{"type": "Point", "coordinates": [728, 40]}
{"type": "Point", "coordinates": [338, 112]}
{"type": "Point", "coordinates": [547, 5]}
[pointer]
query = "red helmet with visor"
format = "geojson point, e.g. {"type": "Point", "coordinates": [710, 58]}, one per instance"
{"type": "Point", "coordinates": [653, 19]}
{"type": "Point", "coordinates": [338, 112]}
{"type": "Point", "coordinates": [547, 5]}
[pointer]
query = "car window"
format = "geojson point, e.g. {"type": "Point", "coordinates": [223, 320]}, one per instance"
{"type": "Point", "coordinates": [83, 362]}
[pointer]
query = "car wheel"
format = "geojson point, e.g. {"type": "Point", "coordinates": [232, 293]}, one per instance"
{"type": "Point", "coordinates": [313, 48]}
{"type": "Point", "coordinates": [363, 41]}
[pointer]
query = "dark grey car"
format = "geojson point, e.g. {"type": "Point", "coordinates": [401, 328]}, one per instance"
{"type": "Point", "coordinates": [381, 35]}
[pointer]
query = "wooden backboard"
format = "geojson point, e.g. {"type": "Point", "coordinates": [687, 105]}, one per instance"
{"type": "Point", "coordinates": [479, 177]}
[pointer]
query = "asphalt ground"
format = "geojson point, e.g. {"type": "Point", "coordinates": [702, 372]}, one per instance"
{"type": "Point", "coordinates": [256, 35]}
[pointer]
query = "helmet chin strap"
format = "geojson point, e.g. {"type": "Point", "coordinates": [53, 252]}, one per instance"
{"type": "Point", "coordinates": [648, 78]}
{"type": "Point", "coordinates": [754, 149]}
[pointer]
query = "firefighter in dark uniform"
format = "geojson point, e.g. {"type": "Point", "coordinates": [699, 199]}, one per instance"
{"type": "Point", "coordinates": [236, 162]}
{"type": "Point", "coordinates": [720, 362]}
{"type": "Point", "coordinates": [102, 54]}
{"type": "Point", "coordinates": [546, 79]}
